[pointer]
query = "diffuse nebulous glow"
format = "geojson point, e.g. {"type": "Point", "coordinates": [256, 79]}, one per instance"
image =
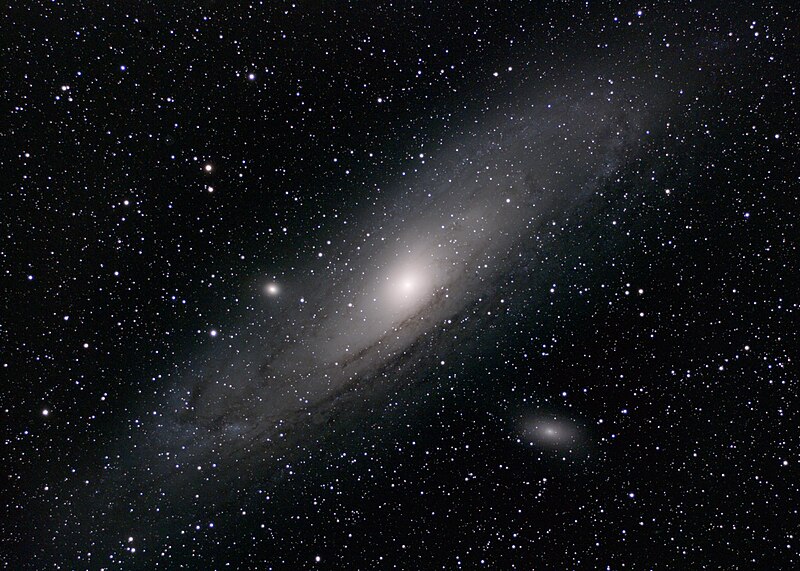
{"type": "Point", "coordinates": [408, 285]}
{"type": "Point", "coordinates": [447, 241]}
{"type": "Point", "coordinates": [550, 431]}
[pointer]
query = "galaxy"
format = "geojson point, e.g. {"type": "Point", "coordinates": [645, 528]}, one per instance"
{"type": "Point", "coordinates": [343, 285]}
{"type": "Point", "coordinates": [550, 431]}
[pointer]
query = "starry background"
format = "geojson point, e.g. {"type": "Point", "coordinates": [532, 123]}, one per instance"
{"type": "Point", "coordinates": [159, 158]}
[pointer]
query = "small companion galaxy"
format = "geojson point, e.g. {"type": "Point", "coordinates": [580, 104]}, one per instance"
{"type": "Point", "coordinates": [401, 285]}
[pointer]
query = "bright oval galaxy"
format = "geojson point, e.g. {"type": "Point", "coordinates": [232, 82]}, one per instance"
{"type": "Point", "coordinates": [334, 286]}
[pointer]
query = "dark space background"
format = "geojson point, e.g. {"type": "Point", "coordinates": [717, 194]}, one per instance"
{"type": "Point", "coordinates": [660, 320]}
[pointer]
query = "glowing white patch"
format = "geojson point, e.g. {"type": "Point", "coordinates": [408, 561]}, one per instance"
{"type": "Point", "coordinates": [408, 286]}
{"type": "Point", "coordinates": [550, 431]}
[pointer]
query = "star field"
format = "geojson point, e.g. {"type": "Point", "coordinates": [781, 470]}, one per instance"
{"type": "Point", "coordinates": [400, 285]}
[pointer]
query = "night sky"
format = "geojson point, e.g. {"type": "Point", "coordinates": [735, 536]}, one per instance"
{"type": "Point", "coordinates": [400, 285]}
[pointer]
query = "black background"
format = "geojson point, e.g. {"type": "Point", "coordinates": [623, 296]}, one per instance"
{"type": "Point", "coordinates": [699, 470]}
